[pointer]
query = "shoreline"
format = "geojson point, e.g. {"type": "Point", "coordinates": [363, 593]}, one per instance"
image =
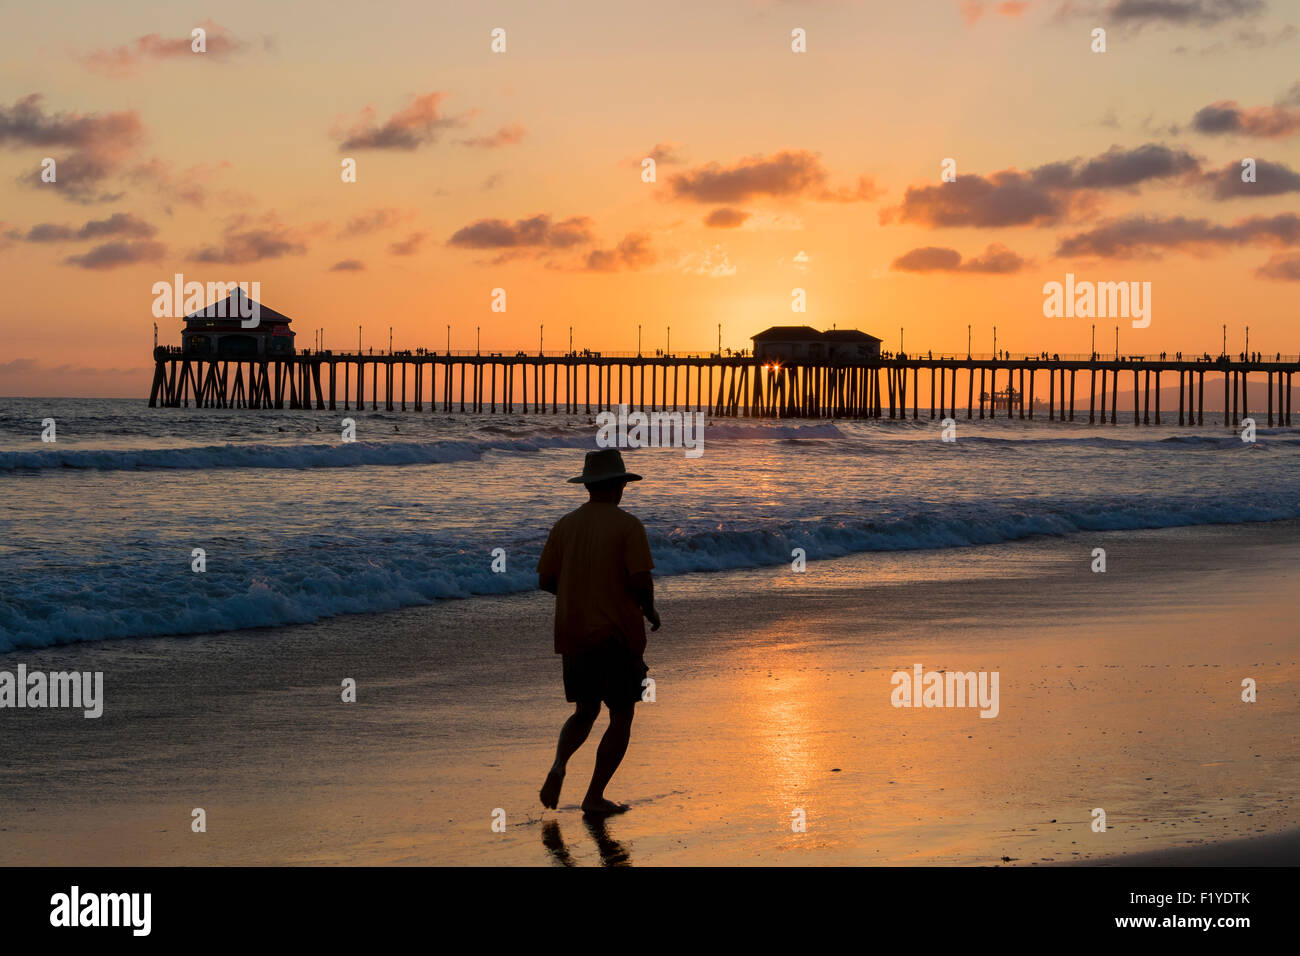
{"type": "Point", "coordinates": [458, 704]}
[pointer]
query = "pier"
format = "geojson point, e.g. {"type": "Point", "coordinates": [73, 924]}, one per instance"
{"type": "Point", "coordinates": [1076, 388]}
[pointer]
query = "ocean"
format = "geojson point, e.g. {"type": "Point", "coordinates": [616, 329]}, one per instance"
{"type": "Point", "coordinates": [101, 527]}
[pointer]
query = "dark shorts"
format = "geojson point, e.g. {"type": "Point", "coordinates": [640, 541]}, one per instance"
{"type": "Point", "coordinates": [609, 673]}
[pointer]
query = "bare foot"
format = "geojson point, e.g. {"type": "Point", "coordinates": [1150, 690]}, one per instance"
{"type": "Point", "coordinates": [602, 807]}
{"type": "Point", "coordinates": [550, 792]}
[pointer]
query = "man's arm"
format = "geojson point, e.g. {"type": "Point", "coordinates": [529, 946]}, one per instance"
{"type": "Point", "coordinates": [643, 590]}
{"type": "Point", "coordinates": [548, 565]}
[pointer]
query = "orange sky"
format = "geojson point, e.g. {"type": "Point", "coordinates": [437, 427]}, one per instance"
{"type": "Point", "coordinates": [522, 170]}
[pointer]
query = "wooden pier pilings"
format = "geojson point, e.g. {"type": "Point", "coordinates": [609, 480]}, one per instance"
{"type": "Point", "coordinates": [718, 385]}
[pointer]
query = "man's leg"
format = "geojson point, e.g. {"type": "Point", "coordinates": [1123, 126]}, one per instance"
{"type": "Point", "coordinates": [572, 736]}
{"type": "Point", "coordinates": [608, 756]}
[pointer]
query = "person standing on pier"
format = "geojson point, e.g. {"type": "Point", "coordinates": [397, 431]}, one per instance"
{"type": "Point", "coordinates": [597, 563]}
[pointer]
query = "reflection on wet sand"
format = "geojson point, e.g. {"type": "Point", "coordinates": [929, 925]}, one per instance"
{"type": "Point", "coordinates": [612, 853]}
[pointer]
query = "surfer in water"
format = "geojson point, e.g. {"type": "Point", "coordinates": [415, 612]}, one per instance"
{"type": "Point", "coordinates": [597, 563]}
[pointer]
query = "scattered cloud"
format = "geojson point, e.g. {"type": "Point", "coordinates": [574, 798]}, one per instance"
{"type": "Point", "coordinates": [1199, 13]}
{"type": "Point", "coordinates": [789, 174]}
{"type": "Point", "coordinates": [973, 10]}
{"type": "Point", "coordinates": [1271, 179]}
{"type": "Point", "coordinates": [348, 265]}
{"type": "Point", "coordinates": [997, 259]}
{"type": "Point", "coordinates": [1283, 265]}
{"type": "Point", "coordinates": [112, 255]}
{"type": "Point", "coordinates": [1226, 117]}
{"type": "Point", "coordinates": [410, 245]}
{"type": "Point", "coordinates": [1147, 236]}
{"type": "Point", "coordinates": [123, 224]}
{"type": "Point", "coordinates": [712, 263]}
{"type": "Point", "coordinates": [242, 242]}
{"type": "Point", "coordinates": [87, 148]}
{"type": "Point", "coordinates": [666, 154]}
{"type": "Point", "coordinates": [126, 60]}
{"type": "Point", "coordinates": [374, 220]}
{"type": "Point", "coordinates": [408, 129]}
{"type": "Point", "coordinates": [1041, 196]}
{"type": "Point", "coordinates": [631, 254]}
{"type": "Point", "coordinates": [536, 232]}
{"type": "Point", "coordinates": [506, 136]}
{"type": "Point", "coordinates": [726, 218]}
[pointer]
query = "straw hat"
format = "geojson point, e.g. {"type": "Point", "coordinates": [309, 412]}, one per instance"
{"type": "Point", "coordinates": [603, 465]}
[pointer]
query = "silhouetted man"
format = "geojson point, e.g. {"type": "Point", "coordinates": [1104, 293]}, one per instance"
{"type": "Point", "coordinates": [597, 564]}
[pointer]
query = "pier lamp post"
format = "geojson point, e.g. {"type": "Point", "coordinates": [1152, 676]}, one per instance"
{"type": "Point", "coordinates": [638, 341]}
{"type": "Point", "coordinates": [1225, 338]}
{"type": "Point", "coordinates": [570, 340]}
{"type": "Point", "coordinates": [668, 350]}
{"type": "Point", "coordinates": [449, 341]}
{"type": "Point", "coordinates": [390, 340]}
{"type": "Point", "coordinates": [1093, 351]}
{"type": "Point", "coordinates": [968, 342]}
{"type": "Point", "coordinates": [995, 342]}
{"type": "Point", "coordinates": [1248, 343]}
{"type": "Point", "coordinates": [478, 340]}
{"type": "Point", "coordinates": [155, 335]}
{"type": "Point", "coordinates": [900, 340]}
{"type": "Point", "coordinates": [1117, 343]}
{"type": "Point", "coordinates": [539, 339]}
{"type": "Point", "coordinates": [358, 340]}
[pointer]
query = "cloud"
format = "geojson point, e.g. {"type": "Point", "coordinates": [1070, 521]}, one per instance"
{"type": "Point", "coordinates": [408, 129]}
{"type": "Point", "coordinates": [506, 136]}
{"type": "Point", "coordinates": [973, 10]}
{"type": "Point", "coordinates": [410, 245]}
{"type": "Point", "coordinates": [792, 174]}
{"type": "Point", "coordinates": [1043, 195]}
{"type": "Point", "coordinates": [632, 253]}
{"type": "Point", "coordinates": [996, 260]}
{"type": "Point", "coordinates": [112, 255]}
{"type": "Point", "coordinates": [119, 224]}
{"type": "Point", "coordinates": [535, 232]}
{"type": "Point", "coordinates": [666, 154]}
{"type": "Point", "coordinates": [712, 263]}
{"type": "Point", "coordinates": [126, 60]}
{"type": "Point", "coordinates": [1271, 179]}
{"type": "Point", "coordinates": [348, 265]}
{"type": "Point", "coordinates": [184, 186]}
{"type": "Point", "coordinates": [726, 218]}
{"type": "Point", "coordinates": [87, 148]}
{"type": "Point", "coordinates": [239, 244]}
{"type": "Point", "coordinates": [1285, 266]}
{"type": "Point", "coordinates": [374, 220]}
{"type": "Point", "coordinates": [1267, 122]}
{"type": "Point", "coordinates": [1143, 236]}
{"type": "Point", "coordinates": [25, 366]}
{"type": "Point", "coordinates": [1200, 13]}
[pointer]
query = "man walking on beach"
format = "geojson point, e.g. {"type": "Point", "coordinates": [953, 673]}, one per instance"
{"type": "Point", "coordinates": [597, 564]}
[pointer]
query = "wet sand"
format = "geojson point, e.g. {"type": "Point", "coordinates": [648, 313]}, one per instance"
{"type": "Point", "coordinates": [1119, 691]}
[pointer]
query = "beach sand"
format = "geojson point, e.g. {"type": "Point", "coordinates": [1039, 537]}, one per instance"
{"type": "Point", "coordinates": [1119, 691]}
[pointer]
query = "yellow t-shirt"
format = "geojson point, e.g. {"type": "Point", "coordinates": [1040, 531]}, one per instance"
{"type": "Point", "coordinates": [593, 553]}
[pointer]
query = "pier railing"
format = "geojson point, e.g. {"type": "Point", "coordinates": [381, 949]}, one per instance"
{"type": "Point", "coordinates": [725, 385]}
